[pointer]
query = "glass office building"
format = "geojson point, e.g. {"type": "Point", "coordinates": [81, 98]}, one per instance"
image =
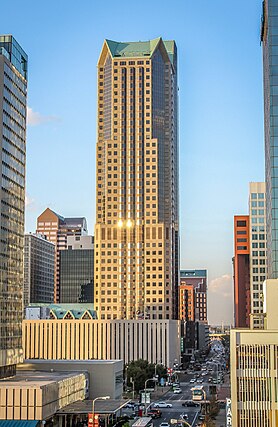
{"type": "Point", "coordinates": [13, 92]}
{"type": "Point", "coordinates": [76, 270]}
{"type": "Point", "coordinates": [269, 37]}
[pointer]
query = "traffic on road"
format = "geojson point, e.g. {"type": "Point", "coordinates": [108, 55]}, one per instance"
{"type": "Point", "coordinates": [183, 404]}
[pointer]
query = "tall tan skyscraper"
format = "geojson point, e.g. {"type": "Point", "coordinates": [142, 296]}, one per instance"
{"type": "Point", "coordinates": [137, 225]}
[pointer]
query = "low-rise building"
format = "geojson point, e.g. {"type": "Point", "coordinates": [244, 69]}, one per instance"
{"type": "Point", "coordinates": [157, 341]}
{"type": "Point", "coordinates": [38, 395]}
{"type": "Point", "coordinates": [105, 376]}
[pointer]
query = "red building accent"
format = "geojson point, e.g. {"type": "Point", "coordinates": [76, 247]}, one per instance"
{"type": "Point", "coordinates": [241, 261]}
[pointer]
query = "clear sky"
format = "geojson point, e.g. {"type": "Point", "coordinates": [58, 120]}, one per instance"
{"type": "Point", "coordinates": [220, 112]}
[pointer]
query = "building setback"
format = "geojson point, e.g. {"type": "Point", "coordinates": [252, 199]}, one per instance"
{"type": "Point", "coordinates": [56, 228]}
{"type": "Point", "coordinates": [77, 270]}
{"type": "Point", "coordinates": [39, 259]}
{"type": "Point", "coordinates": [137, 225]}
{"type": "Point", "coordinates": [13, 92]}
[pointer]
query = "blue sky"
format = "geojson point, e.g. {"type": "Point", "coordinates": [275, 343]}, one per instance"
{"type": "Point", "coordinates": [220, 102]}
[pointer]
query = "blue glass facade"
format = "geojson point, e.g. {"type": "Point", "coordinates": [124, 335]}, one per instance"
{"type": "Point", "coordinates": [270, 63]}
{"type": "Point", "coordinates": [13, 92]}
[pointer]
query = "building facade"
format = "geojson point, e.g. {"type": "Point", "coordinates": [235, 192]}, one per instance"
{"type": "Point", "coordinates": [76, 270]}
{"type": "Point", "coordinates": [196, 280]}
{"type": "Point", "coordinates": [137, 225]}
{"type": "Point", "coordinates": [13, 93]}
{"type": "Point", "coordinates": [258, 254]}
{"type": "Point", "coordinates": [241, 264]}
{"type": "Point", "coordinates": [39, 262]}
{"type": "Point", "coordinates": [254, 368]}
{"type": "Point", "coordinates": [37, 396]}
{"type": "Point", "coordinates": [56, 228]}
{"type": "Point", "coordinates": [269, 37]}
{"type": "Point", "coordinates": [186, 302]}
{"type": "Point", "coordinates": [157, 341]}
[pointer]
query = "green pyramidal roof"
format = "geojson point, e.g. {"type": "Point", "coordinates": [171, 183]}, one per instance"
{"type": "Point", "coordinates": [139, 49]}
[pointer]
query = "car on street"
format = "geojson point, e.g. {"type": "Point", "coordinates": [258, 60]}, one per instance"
{"type": "Point", "coordinates": [193, 380]}
{"type": "Point", "coordinates": [176, 384]}
{"type": "Point", "coordinates": [164, 424]}
{"type": "Point", "coordinates": [178, 390]}
{"type": "Point", "coordinates": [154, 413]}
{"type": "Point", "coordinates": [200, 380]}
{"type": "Point", "coordinates": [184, 416]}
{"type": "Point", "coordinates": [190, 403]}
{"type": "Point", "coordinates": [162, 405]}
{"type": "Point", "coordinates": [130, 405]}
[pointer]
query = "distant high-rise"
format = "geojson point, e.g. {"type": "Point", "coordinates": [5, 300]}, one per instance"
{"type": "Point", "coordinates": [241, 264]}
{"type": "Point", "coordinates": [39, 263]}
{"type": "Point", "coordinates": [56, 228]}
{"type": "Point", "coordinates": [137, 225]}
{"type": "Point", "coordinates": [197, 280]}
{"type": "Point", "coordinates": [13, 92]}
{"type": "Point", "coordinates": [76, 270]}
{"type": "Point", "coordinates": [258, 256]}
{"type": "Point", "coordinates": [269, 37]}
{"type": "Point", "coordinates": [250, 260]}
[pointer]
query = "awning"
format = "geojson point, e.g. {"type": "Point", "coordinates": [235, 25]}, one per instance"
{"type": "Point", "coordinates": [18, 423]}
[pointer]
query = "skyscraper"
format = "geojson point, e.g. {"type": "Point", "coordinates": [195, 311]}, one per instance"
{"type": "Point", "coordinates": [258, 258]}
{"type": "Point", "coordinates": [56, 228]}
{"type": "Point", "coordinates": [197, 279]}
{"type": "Point", "coordinates": [39, 263]}
{"type": "Point", "coordinates": [137, 224]}
{"type": "Point", "coordinates": [76, 269]}
{"type": "Point", "coordinates": [13, 92]}
{"type": "Point", "coordinates": [269, 37]}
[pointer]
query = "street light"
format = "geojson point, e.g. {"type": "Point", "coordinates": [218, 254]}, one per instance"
{"type": "Point", "coordinates": [149, 379]}
{"type": "Point", "coordinates": [93, 407]}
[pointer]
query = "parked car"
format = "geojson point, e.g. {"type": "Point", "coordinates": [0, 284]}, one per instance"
{"type": "Point", "coordinates": [178, 390]}
{"type": "Point", "coordinates": [193, 380]}
{"type": "Point", "coordinates": [164, 424]}
{"type": "Point", "coordinates": [162, 405]}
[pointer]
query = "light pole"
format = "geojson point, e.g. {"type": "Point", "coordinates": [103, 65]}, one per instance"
{"type": "Point", "coordinates": [149, 379]}
{"type": "Point", "coordinates": [93, 406]}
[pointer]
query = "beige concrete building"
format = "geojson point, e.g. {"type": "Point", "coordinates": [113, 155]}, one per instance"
{"type": "Point", "coordinates": [137, 227]}
{"type": "Point", "coordinates": [157, 341]}
{"type": "Point", "coordinates": [38, 395]}
{"type": "Point", "coordinates": [105, 376]}
{"type": "Point", "coordinates": [254, 368]}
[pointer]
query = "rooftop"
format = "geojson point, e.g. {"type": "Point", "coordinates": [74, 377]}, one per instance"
{"type": "Point", "coordinates": [139, 49]}
{"type": "Point", "coordinates": [108, 406]}
{"type": "Point", "coordinates": [27, 379]}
